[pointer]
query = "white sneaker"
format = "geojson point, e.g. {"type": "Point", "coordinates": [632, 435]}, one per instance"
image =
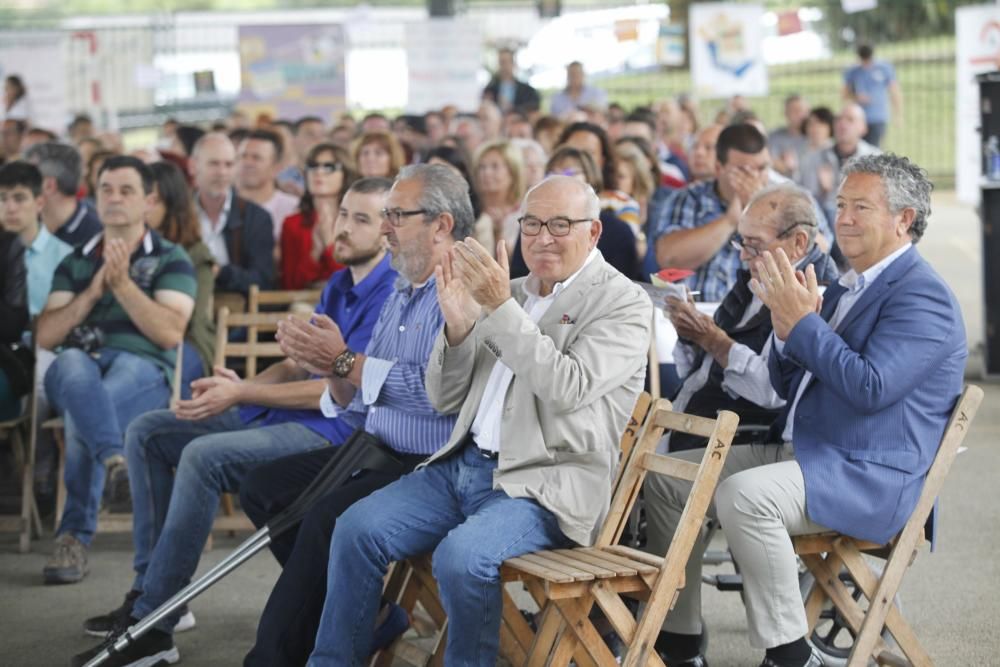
{"type": "Point", "coordinates": [185, 622]}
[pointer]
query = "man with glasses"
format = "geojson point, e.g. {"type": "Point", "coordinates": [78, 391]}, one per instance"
{"type": "Point", "coordinates": [870, 371]}
{"type": "Point", "coordinates": [426, 211]}
{"type": "Point", "coordinates": [181, 460]}
{"type": "Point", "coordinates": [696, 223]}
{"type": "Point", "coordinates": [723, 359]}
{"type": "Point", "coordinates": [544, 371]}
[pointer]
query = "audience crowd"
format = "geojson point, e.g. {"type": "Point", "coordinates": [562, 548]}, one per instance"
{"type": "Point", "coordinates": [480, 318]}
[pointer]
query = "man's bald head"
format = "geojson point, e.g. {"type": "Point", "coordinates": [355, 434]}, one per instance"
{"type": "Point", "coordinates": [213, 162]}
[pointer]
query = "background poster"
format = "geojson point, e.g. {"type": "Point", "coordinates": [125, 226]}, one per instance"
{"type": "Point", "coordinates": [443, 57]}
{"type": "Point", "coordinates": [726, 54]}
{"type": "Point", "coordinates": [291, 71]}
{"type": "Point", "coordinates": [39, 58]}
{"type": "Point", "coordinates": [977, 50]}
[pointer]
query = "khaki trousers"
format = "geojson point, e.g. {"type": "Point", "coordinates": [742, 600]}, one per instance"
{"type": "Point", "coordinates": [760, 502]}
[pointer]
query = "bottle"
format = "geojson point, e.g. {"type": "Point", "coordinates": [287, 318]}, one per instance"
{"type": "Point", "coordinates": [993, 158]}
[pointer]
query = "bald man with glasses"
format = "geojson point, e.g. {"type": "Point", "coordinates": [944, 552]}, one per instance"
{"type": "Point", "coordinates": [723, 359]}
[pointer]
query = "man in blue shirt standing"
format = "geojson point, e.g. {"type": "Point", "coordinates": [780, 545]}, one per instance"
{"type": "Point", "coordinates": [873, 84]}
{"type": "Point", "coordinates": [230, 426]}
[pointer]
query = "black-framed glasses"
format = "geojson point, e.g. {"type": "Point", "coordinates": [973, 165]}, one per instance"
{"type": "Point", "coordinates": [395, 215]}
{"type": "Point", "coordinates": [754, 249]}
{"type": "Point", "coordinates": [325, 167]}
{"type": "Point", "coordinates": [557, 226]}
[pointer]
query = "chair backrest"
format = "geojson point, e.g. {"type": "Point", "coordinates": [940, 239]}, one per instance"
{"type": "Point", "coordinates": [284, 298]}
{"type": "Point", "coordinates": [252, 350]}
{"type": "Point", "coordinates": [954, 433]}
{"type": "Point", "coordinates": [278, 301]}
{"type": "Point", "coordinates": [644, 459]}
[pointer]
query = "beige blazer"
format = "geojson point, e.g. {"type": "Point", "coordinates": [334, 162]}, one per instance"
{"type": "Point", "coordinates": [577, 374]}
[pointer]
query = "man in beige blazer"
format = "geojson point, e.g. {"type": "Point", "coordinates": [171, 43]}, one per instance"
{"type": "Point", "coordinates": [530, 462]}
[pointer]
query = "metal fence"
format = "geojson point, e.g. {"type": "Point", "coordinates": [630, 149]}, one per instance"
{"type": "Point", "coordinates": [143, 65]}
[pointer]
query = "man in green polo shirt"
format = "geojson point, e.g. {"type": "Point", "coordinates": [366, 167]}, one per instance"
{"type": "Point", "coordinates": [118, 309]}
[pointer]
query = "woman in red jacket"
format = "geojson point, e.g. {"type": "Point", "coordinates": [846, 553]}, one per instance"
{"type": "Point", "coordinates": [307, 235]}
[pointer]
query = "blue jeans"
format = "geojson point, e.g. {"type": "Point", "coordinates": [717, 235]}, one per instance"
{"type": "Point", "coordinates": [191, 369]}
{"type": "Point", "coordinates": [450, 508]}
{"type": "Point", "coordinates": [98, 397]}
{"type": "Point", "coordinates": [178, 470]}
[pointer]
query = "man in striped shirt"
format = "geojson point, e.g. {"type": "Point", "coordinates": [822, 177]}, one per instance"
{"type": "Point", "coordinates": [427, 209]}
{"type": "Point", "coordinates": [119, 307]}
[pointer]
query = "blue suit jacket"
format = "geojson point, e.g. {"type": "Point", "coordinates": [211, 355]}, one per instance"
{"type": "Point", "coordinates": [868, 425]}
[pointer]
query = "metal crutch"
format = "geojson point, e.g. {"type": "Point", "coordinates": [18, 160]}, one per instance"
{"type": "Point", "coordinates": [360, 451]}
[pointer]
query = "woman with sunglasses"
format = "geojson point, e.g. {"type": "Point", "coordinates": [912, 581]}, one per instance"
{"type": "Point", "coordinates": [307, 236]}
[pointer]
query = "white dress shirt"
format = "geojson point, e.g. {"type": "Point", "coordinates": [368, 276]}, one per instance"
{"type": "Point", "coordinates": [486, 426]}
{"type": "Point", "coordinates": [212, 231]}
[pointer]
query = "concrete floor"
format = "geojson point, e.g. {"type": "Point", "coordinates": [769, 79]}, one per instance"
{"type": "Point", "coordinates": [949, 596]}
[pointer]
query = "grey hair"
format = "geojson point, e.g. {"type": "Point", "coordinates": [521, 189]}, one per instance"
{"type": "Point", "coordinates": [59, 161]}
{"type": "Point", "coordinates": [906, 185]}
{"type": "Point", "coordinates": [795, 206]}
{"type": "Point", "coordinates": [529, 145]}
{"type": "Point", "coordinates": [593, 203]}
{"type": "Point", "coordinates": [444, 191]}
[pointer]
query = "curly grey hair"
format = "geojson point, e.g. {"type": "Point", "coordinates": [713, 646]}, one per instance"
{"type": "Point", "coordinates": [906, 185]}
{"type": "Point", "coordinates": [444, 191]}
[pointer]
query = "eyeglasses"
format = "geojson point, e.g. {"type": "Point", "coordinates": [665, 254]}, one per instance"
{"type": "Point", "coordinates": [754, 249]}
{"type": "Point", "coordinates": [395, 215]}
{"type": "Point", "coordinates": [325, 167]}
{"type": "Point", "coordinates": [557, 226]}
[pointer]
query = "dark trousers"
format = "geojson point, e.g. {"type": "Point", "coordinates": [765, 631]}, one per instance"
{"type": "Point", "coordinates": [287, 630]}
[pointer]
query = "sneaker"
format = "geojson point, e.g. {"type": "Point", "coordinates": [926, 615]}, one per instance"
{"type": "Point", "coordinates": [153, 648]}
{"type": "Point", "coordinates": [393, 621]}
{"type": "Point", "coordinates": [815, 660]}
{"type": "Point", "coordinates": [117, 619]}
{"type": "Point", "coordinates": [114, 621]}
{"type": "Point", "coordinates": [68, 563]}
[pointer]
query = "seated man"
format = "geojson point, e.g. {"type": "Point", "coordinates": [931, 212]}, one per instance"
{"type": "Point", "coordinates": [230, 426]}
{"type": "Point", "coordinates": [546, 370]}
{"type": "Point", "coordinates": [723, 359]}
{"type": "Point", "coordinates": [697, 223]}
{"type": "Point", "coordinates": [119, 307]}
{"type": "Point", "coordinates": [870, 379]}
{"type": "Point", "coordinates": [71, 221]}
{"type": "Point", "coordinates": [239, 233]}
{"type": "Point", "coordinates": [427, 209]}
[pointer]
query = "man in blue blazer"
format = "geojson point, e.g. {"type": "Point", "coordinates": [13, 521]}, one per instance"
{"type": "Point", "coordinates": [870, 372]}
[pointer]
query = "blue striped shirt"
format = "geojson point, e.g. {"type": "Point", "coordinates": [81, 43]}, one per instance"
{"type": "Point", "coordinates": [392, 383]}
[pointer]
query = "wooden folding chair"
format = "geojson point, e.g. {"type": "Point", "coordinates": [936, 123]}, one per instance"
{"type": "Point", "coordinates": [566, 583]}
{"type": "Point", "coordinates": [28, 523]}
{"type": "Point", "coordinates": [826, 553]}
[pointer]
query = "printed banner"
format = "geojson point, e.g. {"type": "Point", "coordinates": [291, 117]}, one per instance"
{"type": "Point", "coordinates": [443, 57]}
{"type": "Point", "coordinates": [290, 71]}
{"type": "Point", "coordinates": [726, 54]}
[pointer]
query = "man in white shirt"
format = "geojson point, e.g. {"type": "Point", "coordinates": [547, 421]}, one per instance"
{"type": "Point", "coordinates": [545, 371]}
{"type": "Point", "coordinates": [870, 371]}
{"type": "Point", "coordinates": [723, 359]}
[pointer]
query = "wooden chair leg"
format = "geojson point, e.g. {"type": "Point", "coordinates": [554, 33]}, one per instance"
{"type": "Point", "coordinates": [29, 509]}
{"type": "Point", "coordinates": [868, 582]}
{"type": "Point", "coordinates": [57, 434]}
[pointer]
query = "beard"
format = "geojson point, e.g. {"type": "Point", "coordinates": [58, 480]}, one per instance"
{"type": "Point", "coordinates": [357, 256]}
